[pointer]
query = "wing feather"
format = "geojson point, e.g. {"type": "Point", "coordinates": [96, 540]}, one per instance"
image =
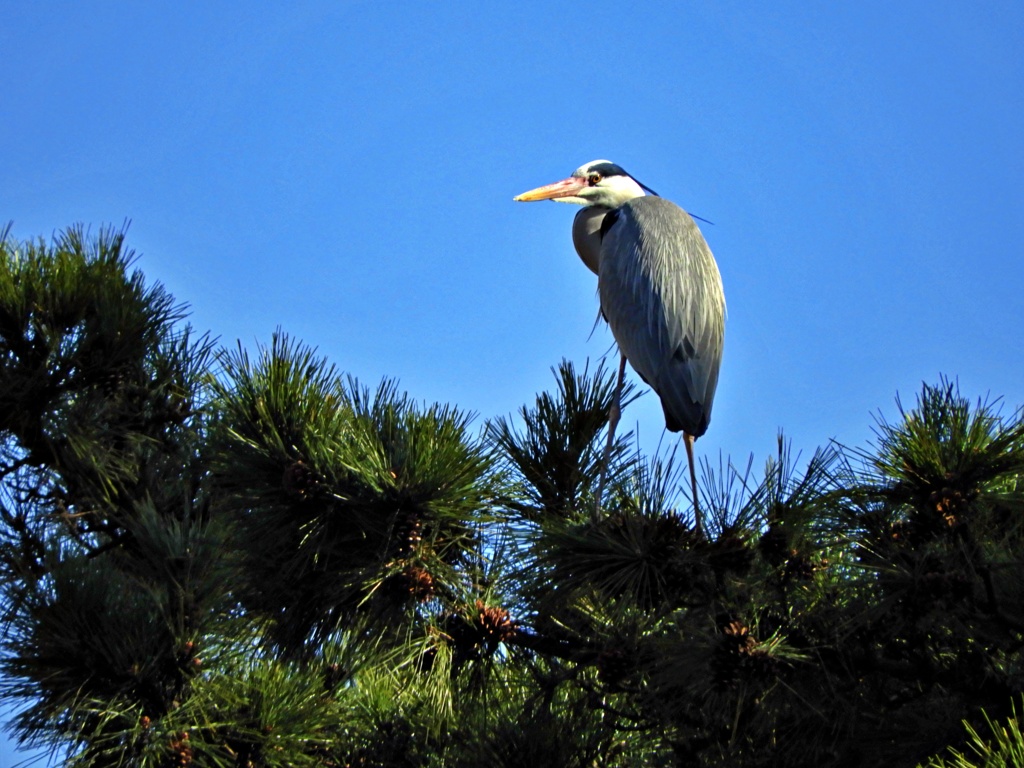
{"type": "Point", "coordinates": [661, 293]}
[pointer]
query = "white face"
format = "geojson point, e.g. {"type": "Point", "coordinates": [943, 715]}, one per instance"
{"type": "Point", "coordinates": [609, 191]}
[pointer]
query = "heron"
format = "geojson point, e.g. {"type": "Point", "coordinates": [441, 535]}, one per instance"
{"type": "Point", "coordinates": [660, 292]}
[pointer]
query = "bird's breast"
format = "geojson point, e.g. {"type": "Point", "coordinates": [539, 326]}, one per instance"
{"type": "Point", "coordinates": [586, 235]}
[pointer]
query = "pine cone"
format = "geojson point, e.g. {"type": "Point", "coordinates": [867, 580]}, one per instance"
{"type": "Point", "coordinates": [737, 637]}
{"type": "Point", "coordinates": [181, 750]}
{"type": "Point", "coordinates": [300, 480]}
{"type": "Point", "coordinates": [900, 533]}
{"type": "Point", "coordinates": [415, 581]}
{"type": "Point", "coordinates": [799, 566]}
{"type": "Point", "coordinates": [494, 624]}
{"type": "Point", "coordinates": [740, 655]}
{"type": "Point", "coordinates": [481, 630]}
{"type": "Point", "coordinates": [407, 533]}
{"type": "Point", "coordinates": [950, 504]}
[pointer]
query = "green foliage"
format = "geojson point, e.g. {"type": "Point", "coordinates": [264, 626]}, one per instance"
{"type": "Point", "coordinates": [555, 456]}
{"type": "Point", "coordinates": [111, 564]}
{"type": "Point", "coordinates": [346, 501]}
{"type": "Point", "coordinates": [214, 558]}
{"type": "Point", "coordinates": [1002, 749]}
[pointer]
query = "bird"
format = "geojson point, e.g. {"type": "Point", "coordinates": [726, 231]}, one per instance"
{"type": "Point", "coordinates": [660, 292]}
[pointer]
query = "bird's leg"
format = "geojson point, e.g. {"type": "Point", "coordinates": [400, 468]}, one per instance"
{"type": "Point", "coordinates": [614, 413]}
{"type": "Point", "coordinates": [698, 519]}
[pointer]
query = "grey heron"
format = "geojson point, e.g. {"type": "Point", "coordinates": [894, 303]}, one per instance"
{"type": "Point", "coordinates": [660, 291]}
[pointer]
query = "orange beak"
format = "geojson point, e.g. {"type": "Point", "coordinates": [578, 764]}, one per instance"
{"type": "Point", "coordinates": [566, 188]}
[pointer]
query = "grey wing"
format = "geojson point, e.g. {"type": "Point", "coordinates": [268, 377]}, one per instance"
{"type": "Point", "coordinates": [661, 293]}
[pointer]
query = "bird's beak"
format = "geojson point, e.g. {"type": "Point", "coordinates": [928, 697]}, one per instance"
{"type": "Point", "coordinates": [566, 188]}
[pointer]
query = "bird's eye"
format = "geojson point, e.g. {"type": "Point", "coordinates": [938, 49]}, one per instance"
{"type": "Point", "coordinates": [594, 178]}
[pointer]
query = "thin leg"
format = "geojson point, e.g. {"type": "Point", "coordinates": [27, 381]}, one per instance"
{"type": "Point", "coordinates": [614, 413]}
{"type": "Point", "coordinates": [697, 517]}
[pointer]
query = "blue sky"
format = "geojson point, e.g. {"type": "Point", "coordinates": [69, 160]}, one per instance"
{"type": "Point", "coordinates": [345, 171]}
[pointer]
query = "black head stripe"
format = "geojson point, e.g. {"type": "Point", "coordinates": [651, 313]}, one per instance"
{"type": "Point", "coordinates": [611, 169]}
{"type": "Point", "coordinates": [607, 169]}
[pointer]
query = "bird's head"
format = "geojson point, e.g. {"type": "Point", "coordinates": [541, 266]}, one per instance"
{"type": "Point", "coordinates": [599, 182]}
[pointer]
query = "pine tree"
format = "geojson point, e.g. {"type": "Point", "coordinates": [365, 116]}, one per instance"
{"type": "Point", "coordinates": [214, 557]}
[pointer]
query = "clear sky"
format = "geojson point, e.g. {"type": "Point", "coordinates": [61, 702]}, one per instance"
{"type": "Point", "coordinates": [345, 171]}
